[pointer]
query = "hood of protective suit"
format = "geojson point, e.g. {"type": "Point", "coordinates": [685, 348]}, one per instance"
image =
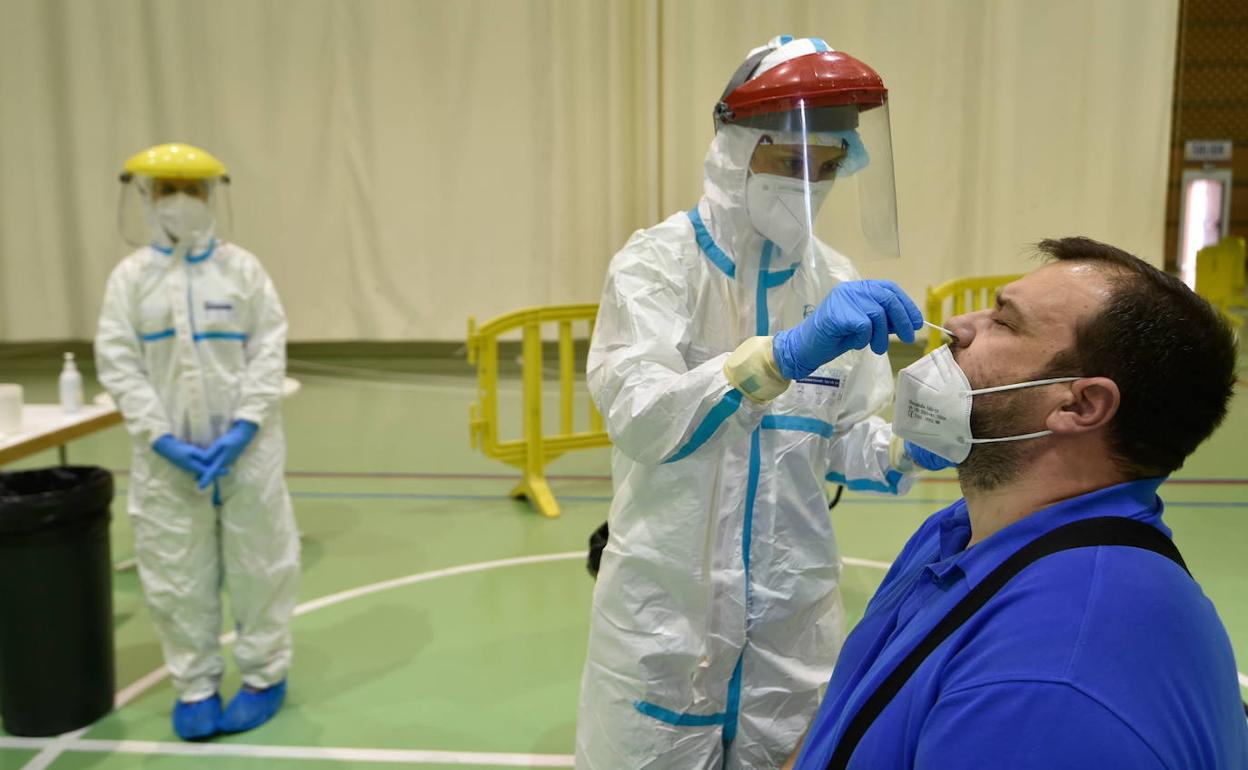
{"type": "Point", "coordinates": [727, 167]}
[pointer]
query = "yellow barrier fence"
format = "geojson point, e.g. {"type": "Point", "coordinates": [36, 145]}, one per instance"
{"type": "Point", "coordinates": [1220, 277]}
{"type": "Point", "coordinates": [534, 449]}
{"type": "Point", "coordinates": [961, 295]}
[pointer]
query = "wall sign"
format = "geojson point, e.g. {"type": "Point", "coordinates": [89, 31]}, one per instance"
{"type": "Point", "coordinates": [1207, 149]}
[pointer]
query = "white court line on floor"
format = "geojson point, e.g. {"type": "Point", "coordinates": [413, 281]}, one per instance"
{"type": "Point", "coordinates": [323, 753]}
{"type": "Point", "coordinates": [138, 687]}
{"type": "Point", "coordinates": [69, 741]}
{"type": "Point", "coordinates": [54, 748]}
{"type": "Point", "coordinates": [853, 562]}
{"type": "Point", "coordinates": [51, 748]}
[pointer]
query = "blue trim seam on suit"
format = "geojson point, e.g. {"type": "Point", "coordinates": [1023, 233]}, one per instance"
{"type": "Point", "coordinates": [794, 422]}
{"type": "Point", "coordinates": [710, 423]}
{"type": "Point", "coordinates": [892, 480]}
{"type": "Point", "coordinates": [192, 258]}
{"type": "Point", "coordinates": [160, 335]}
{"type": "Point", "coordinates": [708, 246]}
{"type": "Point", "coordinates": [675, 718]}
{"type": "Point", "coordinates": [221, 336]}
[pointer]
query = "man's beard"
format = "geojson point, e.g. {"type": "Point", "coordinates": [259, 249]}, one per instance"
{"type": "Point", "coordinates": [990, 466]}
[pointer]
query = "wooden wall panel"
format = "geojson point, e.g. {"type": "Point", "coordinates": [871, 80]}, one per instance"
{"type": "Point", "coordinates": [1211, 101]}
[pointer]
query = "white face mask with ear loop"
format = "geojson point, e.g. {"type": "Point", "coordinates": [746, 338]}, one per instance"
{"type": "Point", "coordinates": [933, 408]}
{"type": "Point", "coordinates": [777, 207]}
{"type": "Point", "coordinates": [184, 218]}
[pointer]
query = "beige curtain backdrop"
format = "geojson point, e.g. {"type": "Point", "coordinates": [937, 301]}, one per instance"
{"type": "Point", "coordinates": [399, 165]}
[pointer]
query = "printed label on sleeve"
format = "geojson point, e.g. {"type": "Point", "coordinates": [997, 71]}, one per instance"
{"type": "Point", "coordinates": [827, 382]}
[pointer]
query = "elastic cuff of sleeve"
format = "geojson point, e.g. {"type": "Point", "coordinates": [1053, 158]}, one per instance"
{"type": "Point", "coordinates": [752, 370]}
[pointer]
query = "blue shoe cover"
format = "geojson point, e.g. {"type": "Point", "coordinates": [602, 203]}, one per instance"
{"type": "Point", "coordinates": [198, 720]}
{"type": "Point", "coordinates": [252, 708]}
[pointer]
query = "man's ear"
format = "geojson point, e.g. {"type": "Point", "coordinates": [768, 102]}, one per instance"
{"type": "Point", "coordinates": [1090, 404]}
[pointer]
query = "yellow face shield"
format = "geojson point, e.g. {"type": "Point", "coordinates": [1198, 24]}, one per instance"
{"type": "Point", "coordinates": [173, 193]}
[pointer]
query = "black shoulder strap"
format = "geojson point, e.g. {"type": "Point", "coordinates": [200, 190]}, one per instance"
{"type": "Point", "coordinates": [1103, 530]}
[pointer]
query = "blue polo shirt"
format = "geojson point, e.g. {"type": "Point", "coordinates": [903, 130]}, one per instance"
{"type": "Point", "coordinates": [1101, 657]}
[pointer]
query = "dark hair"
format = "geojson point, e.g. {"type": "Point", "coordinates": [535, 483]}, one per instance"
{"type": "Point", "coordinates": [1170, 353]}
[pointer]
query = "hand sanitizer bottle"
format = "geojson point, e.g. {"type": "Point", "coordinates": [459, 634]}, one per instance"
{"type": "Point", "coordinates": [71, 386]}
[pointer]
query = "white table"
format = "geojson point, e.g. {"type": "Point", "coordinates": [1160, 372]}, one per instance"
{"type": "Point", "coordinates": [45, 426]}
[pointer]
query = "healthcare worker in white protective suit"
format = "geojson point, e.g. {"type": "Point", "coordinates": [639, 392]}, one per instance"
{"type": "Point", "coordinates": [192, 347]}
{"type": "Point", "coordinates": [716, 615]}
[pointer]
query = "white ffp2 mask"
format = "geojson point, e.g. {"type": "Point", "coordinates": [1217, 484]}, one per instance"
{"type": "Point", "coordinates": [933, 406]}
{"type": "Point", "coordinates": [777, 207]}
{"type": "Point", "coordinates": [183, 217]}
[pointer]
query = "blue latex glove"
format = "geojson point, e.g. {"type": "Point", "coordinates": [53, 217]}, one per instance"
{"type": "Point", "coordinates": [925, 459]}
{"type": "Point", "coordinates": [853, 315]}
{"type": "Point", "coordinates": [188, 457]}
{"type": "Point", "coordinates": [225, 450]}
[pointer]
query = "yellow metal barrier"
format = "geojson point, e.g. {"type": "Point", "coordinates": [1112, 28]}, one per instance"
{"type": "Point", "coordinates": [963, 295]}
{"type": "Point", "coordinates": [1220, 277]}
{"type": "Point", "coordinates": [533, 450]}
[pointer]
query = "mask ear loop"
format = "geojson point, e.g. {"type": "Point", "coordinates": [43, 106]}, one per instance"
{"type": "Point", "coordinates": [1002, 440]}
{"type": "Point", "coordinates": [1016, 386]}
{"type": "Point", "coordinates": [1028, 384]}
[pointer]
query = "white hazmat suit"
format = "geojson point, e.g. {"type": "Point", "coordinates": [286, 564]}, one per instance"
{"type": "Point", "coordinates": [716, 615]}
{"type": "Point", "coordinates": [187, 345]}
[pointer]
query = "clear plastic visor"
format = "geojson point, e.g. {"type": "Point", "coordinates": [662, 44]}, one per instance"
{"type": "Point", "coordinates": [831, 170]}
{"type": "Point", "coordinates": [147, 215]}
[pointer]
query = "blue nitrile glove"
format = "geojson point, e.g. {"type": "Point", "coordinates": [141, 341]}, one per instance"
{"type": "Point", "coordinates": [188, 457]}
{"type": "Point", "coordinates": [925, 459]}
{"type": "Point", "coordinates": [853, 315]}
{"type": "Point", "coordinates": [225, 450]}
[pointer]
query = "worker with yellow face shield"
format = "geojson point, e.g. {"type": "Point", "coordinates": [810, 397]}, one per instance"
{"type": "Point", "coordinates": [192, 347]}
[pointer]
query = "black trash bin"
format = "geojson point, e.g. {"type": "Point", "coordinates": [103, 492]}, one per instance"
{"type": "Point", "coordinates": [56, 600]}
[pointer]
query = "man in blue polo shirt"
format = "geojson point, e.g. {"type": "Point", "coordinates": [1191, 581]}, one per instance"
{"type": "Point", "coordinates": [1099, 657]}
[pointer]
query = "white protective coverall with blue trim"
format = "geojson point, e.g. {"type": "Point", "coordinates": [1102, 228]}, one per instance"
{"type": "Point", "coordinates": [187, 345]}
{"type": "Point", "coordinates": [716, 615]}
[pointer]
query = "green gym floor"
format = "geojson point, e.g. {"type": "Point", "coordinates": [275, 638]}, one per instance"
{"type": "Point", "coordinates": [442, 624]}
